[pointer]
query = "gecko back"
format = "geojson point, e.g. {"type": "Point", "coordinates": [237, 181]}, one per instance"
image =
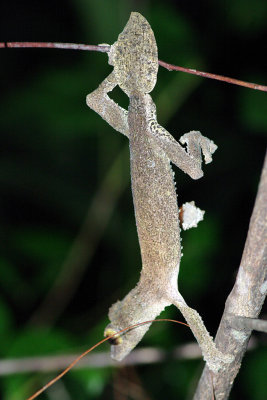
{"type": "Point", "coordinates": [135, 56]}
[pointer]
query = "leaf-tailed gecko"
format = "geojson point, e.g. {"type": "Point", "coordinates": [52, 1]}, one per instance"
{"type": "Point", "coordinates": [134, 57]}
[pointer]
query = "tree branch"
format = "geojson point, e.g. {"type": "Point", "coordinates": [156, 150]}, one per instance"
{"type": "Point", "coordinates": [105, 48]}
{"type": "Point", "coordinates": [245, 300]}
{"type": "Point", "coordinates": [244, 323]}
{"type": "Point", "coordinates": [141, 356]}
{"type": "Point", "coordinates": [144, 355]}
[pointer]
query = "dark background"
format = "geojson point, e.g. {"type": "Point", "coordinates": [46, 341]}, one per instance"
{"type": "Point", "coordinates": [66, 210]}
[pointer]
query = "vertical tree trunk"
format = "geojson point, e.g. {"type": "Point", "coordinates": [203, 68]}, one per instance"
{"type": "Point", "coordinates": [246, 300]}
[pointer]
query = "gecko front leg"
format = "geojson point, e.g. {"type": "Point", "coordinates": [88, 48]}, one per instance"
{"type": "Point", "coordinates": [188, 160]}
{"type": "Point", "coordinates": [100, 102]}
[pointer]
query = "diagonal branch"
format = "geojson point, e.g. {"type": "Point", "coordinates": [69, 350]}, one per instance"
{"type": "Point", "coordinates": [245, 300]}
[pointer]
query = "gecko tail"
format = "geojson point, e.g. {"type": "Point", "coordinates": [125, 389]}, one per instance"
{"type": "Point", "coordinates": [137, 307]}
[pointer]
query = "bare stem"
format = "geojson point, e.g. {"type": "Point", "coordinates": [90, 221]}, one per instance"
{"type": "Point", "coordinates": [105, 48]}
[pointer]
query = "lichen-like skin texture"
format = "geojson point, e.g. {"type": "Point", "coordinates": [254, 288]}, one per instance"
{"type": "Point", "coordinates": [154, 197]}
{"type": "Point", "coordinates": [152, 148]}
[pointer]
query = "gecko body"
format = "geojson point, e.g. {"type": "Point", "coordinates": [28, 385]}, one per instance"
{"type": "Point", "coordinates": [135, 61]}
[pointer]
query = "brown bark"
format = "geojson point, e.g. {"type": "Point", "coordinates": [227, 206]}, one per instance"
{"type": "Point", "coordinates": [245, 300]}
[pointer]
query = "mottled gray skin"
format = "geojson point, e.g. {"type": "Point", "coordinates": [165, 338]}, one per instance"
{"type": "Point", "coordinates": [135, 60]}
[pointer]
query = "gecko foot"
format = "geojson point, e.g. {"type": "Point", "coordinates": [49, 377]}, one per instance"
{"type": "Point", "coordinates": [196, 142]}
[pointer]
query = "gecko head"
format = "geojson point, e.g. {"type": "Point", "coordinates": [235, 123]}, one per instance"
{"type": "Point", "coordinates": [135, 56]}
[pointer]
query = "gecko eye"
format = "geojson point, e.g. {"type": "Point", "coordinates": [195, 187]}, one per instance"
{"type": "Point", "coordinates": [114, 340]}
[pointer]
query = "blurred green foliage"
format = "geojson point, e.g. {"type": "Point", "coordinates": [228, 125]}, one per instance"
{"type": "Point", "coordinates": [64, 175]}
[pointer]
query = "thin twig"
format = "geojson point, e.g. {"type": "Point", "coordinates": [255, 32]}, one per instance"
{"type": "Point", "coordinates": [105, 48]}
{"type": "Point", "coordinates": [56, 45]}
{"type": "Point", "coordinates": [81, 356]}
{"type": "Point", "coordinates": [226, 79]}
